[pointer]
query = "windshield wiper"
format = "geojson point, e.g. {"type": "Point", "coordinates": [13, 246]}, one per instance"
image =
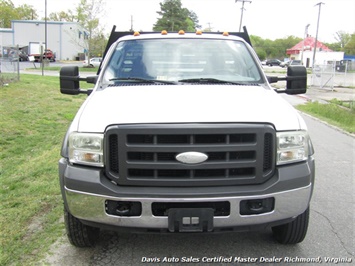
{"type": "Point", "coordinates": [142, 80]}
{"type": "Point", "coordinates": [211, 80]}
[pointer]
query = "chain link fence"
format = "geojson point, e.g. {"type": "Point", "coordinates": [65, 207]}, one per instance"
{"type": "Point", "coordinates": [333, 74]}
{"type": "Point", "coordinates": [9, 64]}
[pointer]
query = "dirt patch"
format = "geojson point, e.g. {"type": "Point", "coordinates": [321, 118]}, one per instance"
{"type": "Point", "coordinates": [63, 253]}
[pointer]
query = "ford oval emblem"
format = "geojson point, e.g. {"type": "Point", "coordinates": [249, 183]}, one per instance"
{"type": "Point", "coordinates": [191, 157]}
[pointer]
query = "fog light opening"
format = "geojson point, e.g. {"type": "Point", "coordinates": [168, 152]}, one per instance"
{"type": "Point", "coordinates": [256, 206]}
{"type": "Point", "coordinates": [123, 208]}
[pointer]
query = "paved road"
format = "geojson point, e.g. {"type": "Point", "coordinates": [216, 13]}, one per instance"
{"type": "Point", "coordinates": [330, 235]}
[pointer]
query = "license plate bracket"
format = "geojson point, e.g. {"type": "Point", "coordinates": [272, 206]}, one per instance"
{"type": "Point", "coordinates": [190, 219]}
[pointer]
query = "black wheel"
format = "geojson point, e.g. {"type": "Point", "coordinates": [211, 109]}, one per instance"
{"type": "Point", "coordinates": [79, 234]}
{"type": "Point", "coordinates": [293, 232]}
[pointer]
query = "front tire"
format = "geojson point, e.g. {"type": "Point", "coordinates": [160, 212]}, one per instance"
{"type": "Point", "coordinates": [293, 232]}
{"type": "Point", "coordinates": [79, 234]}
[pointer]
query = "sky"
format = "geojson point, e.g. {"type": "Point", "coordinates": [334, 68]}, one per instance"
{"type": "Point", "coordinates": [269, 19]}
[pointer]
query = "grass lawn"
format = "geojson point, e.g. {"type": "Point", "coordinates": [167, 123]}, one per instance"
{"type": "Point", "coordinates": [34, 118]}
{"type": "Point", "coordinates": [333, 113]}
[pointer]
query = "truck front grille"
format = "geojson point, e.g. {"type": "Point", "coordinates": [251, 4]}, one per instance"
{"type": "Point", "coordinates": [145, 155]}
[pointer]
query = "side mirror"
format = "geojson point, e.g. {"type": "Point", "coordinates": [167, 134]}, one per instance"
{"type": "Point", "coordinates": [296, 80]}
{"type": "Point", "coordinates": [70, 81]}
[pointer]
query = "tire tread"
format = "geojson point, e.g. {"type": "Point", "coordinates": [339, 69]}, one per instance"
{"type": "Point", "coordinates": [293, 232]}
{"type": "Point", "coordinates": [79, 234]}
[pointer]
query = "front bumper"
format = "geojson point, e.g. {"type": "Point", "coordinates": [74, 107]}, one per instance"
{"type": "Point", "coordinates": [86, 190]}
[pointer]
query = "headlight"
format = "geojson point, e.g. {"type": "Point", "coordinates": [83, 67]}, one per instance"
{"type": "Point", "coordinates": [86, 148]}
{"type": "Point", "coordinates": [292, 147]}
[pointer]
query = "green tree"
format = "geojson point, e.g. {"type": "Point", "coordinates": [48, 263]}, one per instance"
{"type": "Point", "coordinates": [9, 12]}
{"type": "Point", "coordinates": [281, 45]}
{"type": "Point", "coordinates": [194, 18]}
{"type": "Point", "coordinates": [68, 16]}
{"type": "Point", "coordinates": [270, 49]}
{"type": "Point", "coordinates": [266, 48]}
{"type": "Point", "coordinates": [6, 13]}
{"type": "Point", "coordinates": [342, 38]}
{"type": "Point", "coordinates": [334, 46]}
{"type": "Point", "coordinates": [349, 47]}
{"type": "Point", "coordinates": [258, 44]}
{"type": "Point", "coordinates": [26, 12]}
{"type": "Point", "coordinates": [174, 17]}
{"type": "Point", "coordinates": [98, 45]}
{"type": "Point", "coordinates": [88, 15]}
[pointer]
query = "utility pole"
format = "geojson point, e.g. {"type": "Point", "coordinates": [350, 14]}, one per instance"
{"type": "Point", "coordinates": [304, 37]}
{"type": "Point", "coordinates": [316, 40]}
{"type": "Point", "coordinates": [45, 37]}
{"type": "Point", "coordinates": [241, 17]}
{"type": "Point", "coordinates": [131, 24]}
{"type": "Point", "coordinates": [209, 26]}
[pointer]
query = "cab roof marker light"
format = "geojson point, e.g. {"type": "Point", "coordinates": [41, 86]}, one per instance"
{"type": "Point", "coordinates": [226, 33]}
{"type": "Point", "coordinates": [199, 32]}
{"type": "Point", "coordinates": [136, 33]}
{"type": "Point", "coordinates": [181, 32]}
{"type": "Point", "coordinates": [164, 32]}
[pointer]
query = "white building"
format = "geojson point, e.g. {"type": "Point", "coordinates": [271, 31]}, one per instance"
{"type": "Point", "coordinates": [66, 39]}
{"type": "Point", "coordinates": [304, 51]}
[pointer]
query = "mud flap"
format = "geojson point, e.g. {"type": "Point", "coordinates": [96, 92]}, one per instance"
{"type": "Point", "coordinates": [190, 220]}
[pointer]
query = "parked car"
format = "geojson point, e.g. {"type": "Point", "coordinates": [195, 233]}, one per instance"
{"type": "Point", "coordinates": [291, 62]}
{"type": "Point", "coordinates": [284, 63]}
{"type": "Point", "coordinates": [273, 62]}
{"type": "Point", "coordinates": [94, 62]}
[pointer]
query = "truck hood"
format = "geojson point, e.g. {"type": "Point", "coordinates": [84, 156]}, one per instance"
{"type": "Point", "coordinates": [184, 104]}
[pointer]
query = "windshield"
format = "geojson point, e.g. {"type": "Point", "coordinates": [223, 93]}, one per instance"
{"type": "Point", "coordinates": [181, 60]}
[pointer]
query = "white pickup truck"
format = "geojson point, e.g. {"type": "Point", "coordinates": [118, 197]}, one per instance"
{"type": "Point", "coordinates": [183, 133]}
